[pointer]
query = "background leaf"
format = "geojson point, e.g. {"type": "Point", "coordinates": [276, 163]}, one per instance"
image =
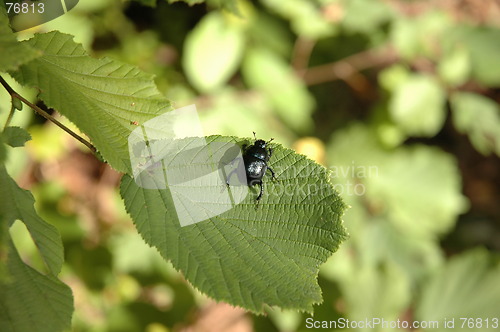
{"type": "Point", "coordinates": [455, 66]}
{"type": "Point", "coordinates": [306, 17]}
{"type": "Point", "coordinates": [365, 15]}
{"type": "Point", "coordinates": [13, 53]}
{"type": "Point", "coordinates": [405, 187]}
{"type": "Point", "coordinates": [250, 256]}
{"type": "Point", "coordinates": [33, 301]}
{"type": "Point", "coordinates": [483, 53]}
{"type": "Point", "coordinates": [17, 203]}
{"type": "Point", "coordinates": [15, 136]}
{"type": "Point", "coordinates": [266, 72]}
{"type": "Point", "coordinates": [466, 287]}
{"type": "Point", "coordinates": [189, 2]}
{"type": "Point", "coordinates": [479, 117]}
{"type": "Point", "coordinates": [417, 106]}
{"type": "Point", "coordinates": [103, 97]}
{"type": "Point", "coordinates": [213, 51]}
{"type": "Point", "coordinates": [150, 3]}
{"type": "Point", "coordinates": [401, 200]}
{"type": "Point", "coordinates": [371, 291]}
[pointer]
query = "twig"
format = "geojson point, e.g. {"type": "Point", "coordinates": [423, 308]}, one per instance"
{"type": "Point", "coordinates": [348, 67]}
{"type": "Point", "coordinates": [301, 53]}
{"type": "Point", "coordinates": [14, 94]}
{"type": "Point", "coordinates": [9, 117]}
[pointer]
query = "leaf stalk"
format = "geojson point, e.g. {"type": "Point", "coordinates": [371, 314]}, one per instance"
{"type": "Point", "coordinates": [15, 95]}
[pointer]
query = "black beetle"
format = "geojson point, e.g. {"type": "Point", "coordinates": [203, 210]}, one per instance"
{"type": "Point", "coordinates": [256, 157]}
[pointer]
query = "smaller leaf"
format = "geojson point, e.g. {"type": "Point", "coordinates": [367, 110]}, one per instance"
{"type": "Point", "coordinates": [392, 77]}
{"type": "Point", "coordinates": [16, 136]}
{"type": "Point", "coordinates": [13, 53]}
{"type": "Point", "coordinates": [149, 3]}
{"type": "Point", "coordinates": [17, 104]}
{"type": "Point", "coordinates": [213, 51]}
{"type": "Point", "coordinates": [418, 184]}
{"type": "Point", "coordinates": [267, 72]}
{"type": "Point", "coordinates": [3, 150]}
{"type": "Point", "coordinates": [478, 117]}
{"type": "Point", "coordinates": [17, 203]}
{"type": "Point", "coordinates": [417, 106]}
{"type": "Point", "coordinates": [365, 15]}
{"type": "Point", "coordinates": [30, 299]}
{"type": "Point", "coordinates": [229, 5]}
{"type": "Point", "coordinates": [405, 38]}
{"type": "Point", "coordinates": [419, 36]}
{"type": "Point", "coordinates": [100, 96]}
{"type": "Point", "coordinates": [381, 290]}
{"type": "Point", "coordinates": [189, 2]}
{"type": "Point", "coordinates": [4, 237]}
{"type": "Point", "coordinates": [454, 68]}
{"type": "Point", "coordinates": [418, 188]}
{"type": "Point", "coordinates": [482, 44]}
{"type": "Point", "coordinates": [306, 18]}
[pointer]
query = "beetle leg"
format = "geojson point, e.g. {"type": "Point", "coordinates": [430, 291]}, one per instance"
{"type": "Point", "coordinates": [261, 190]}
{"type": "Point", "coordinates": [270, 152]}
{"type": "Point", "coordinates": [273, 176]}
{"type": "Point", "coordinates": [229, 176]}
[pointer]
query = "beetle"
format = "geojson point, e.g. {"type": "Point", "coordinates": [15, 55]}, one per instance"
{"type": "Point", "coordinates": [255, 158]}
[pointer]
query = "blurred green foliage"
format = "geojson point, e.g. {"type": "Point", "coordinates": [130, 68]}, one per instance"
{"type": "Point", "coordinates": [403, 97]}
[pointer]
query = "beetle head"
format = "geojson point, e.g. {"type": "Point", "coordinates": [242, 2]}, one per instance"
{"type": "Point", "coordinates": [260, 143]}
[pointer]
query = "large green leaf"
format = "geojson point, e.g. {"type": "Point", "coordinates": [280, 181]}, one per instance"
{"type": "Point", "coordinates": [28, 298]}
{"type": "Point", "coordinates": [103, 97]}
{"type": "Point", "coordinates": [30, 301]}
{"type": "Point", "coordinates": [466, 288]}
{"type": "Point", "coordinates": [13, 53]}
{"type": "Point", "coordinates": [17, 203]}
{"type": "Point", "coordinates": [250, 255]}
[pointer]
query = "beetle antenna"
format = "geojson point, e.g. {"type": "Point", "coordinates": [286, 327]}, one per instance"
{"type": "Point", "coordinates": [254, 135]}
{"type": "Point", "coordinates": [272, 139]}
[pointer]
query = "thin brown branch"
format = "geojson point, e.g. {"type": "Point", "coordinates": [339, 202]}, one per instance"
{"type": "Point", "coordinates": [7, 86]}
{"type": "Point", "coordinates": [348, 67]}
{"type": "Point", "coordinates": [301, 53]}
{"type": "Point", "coordinates": [14, 94]}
